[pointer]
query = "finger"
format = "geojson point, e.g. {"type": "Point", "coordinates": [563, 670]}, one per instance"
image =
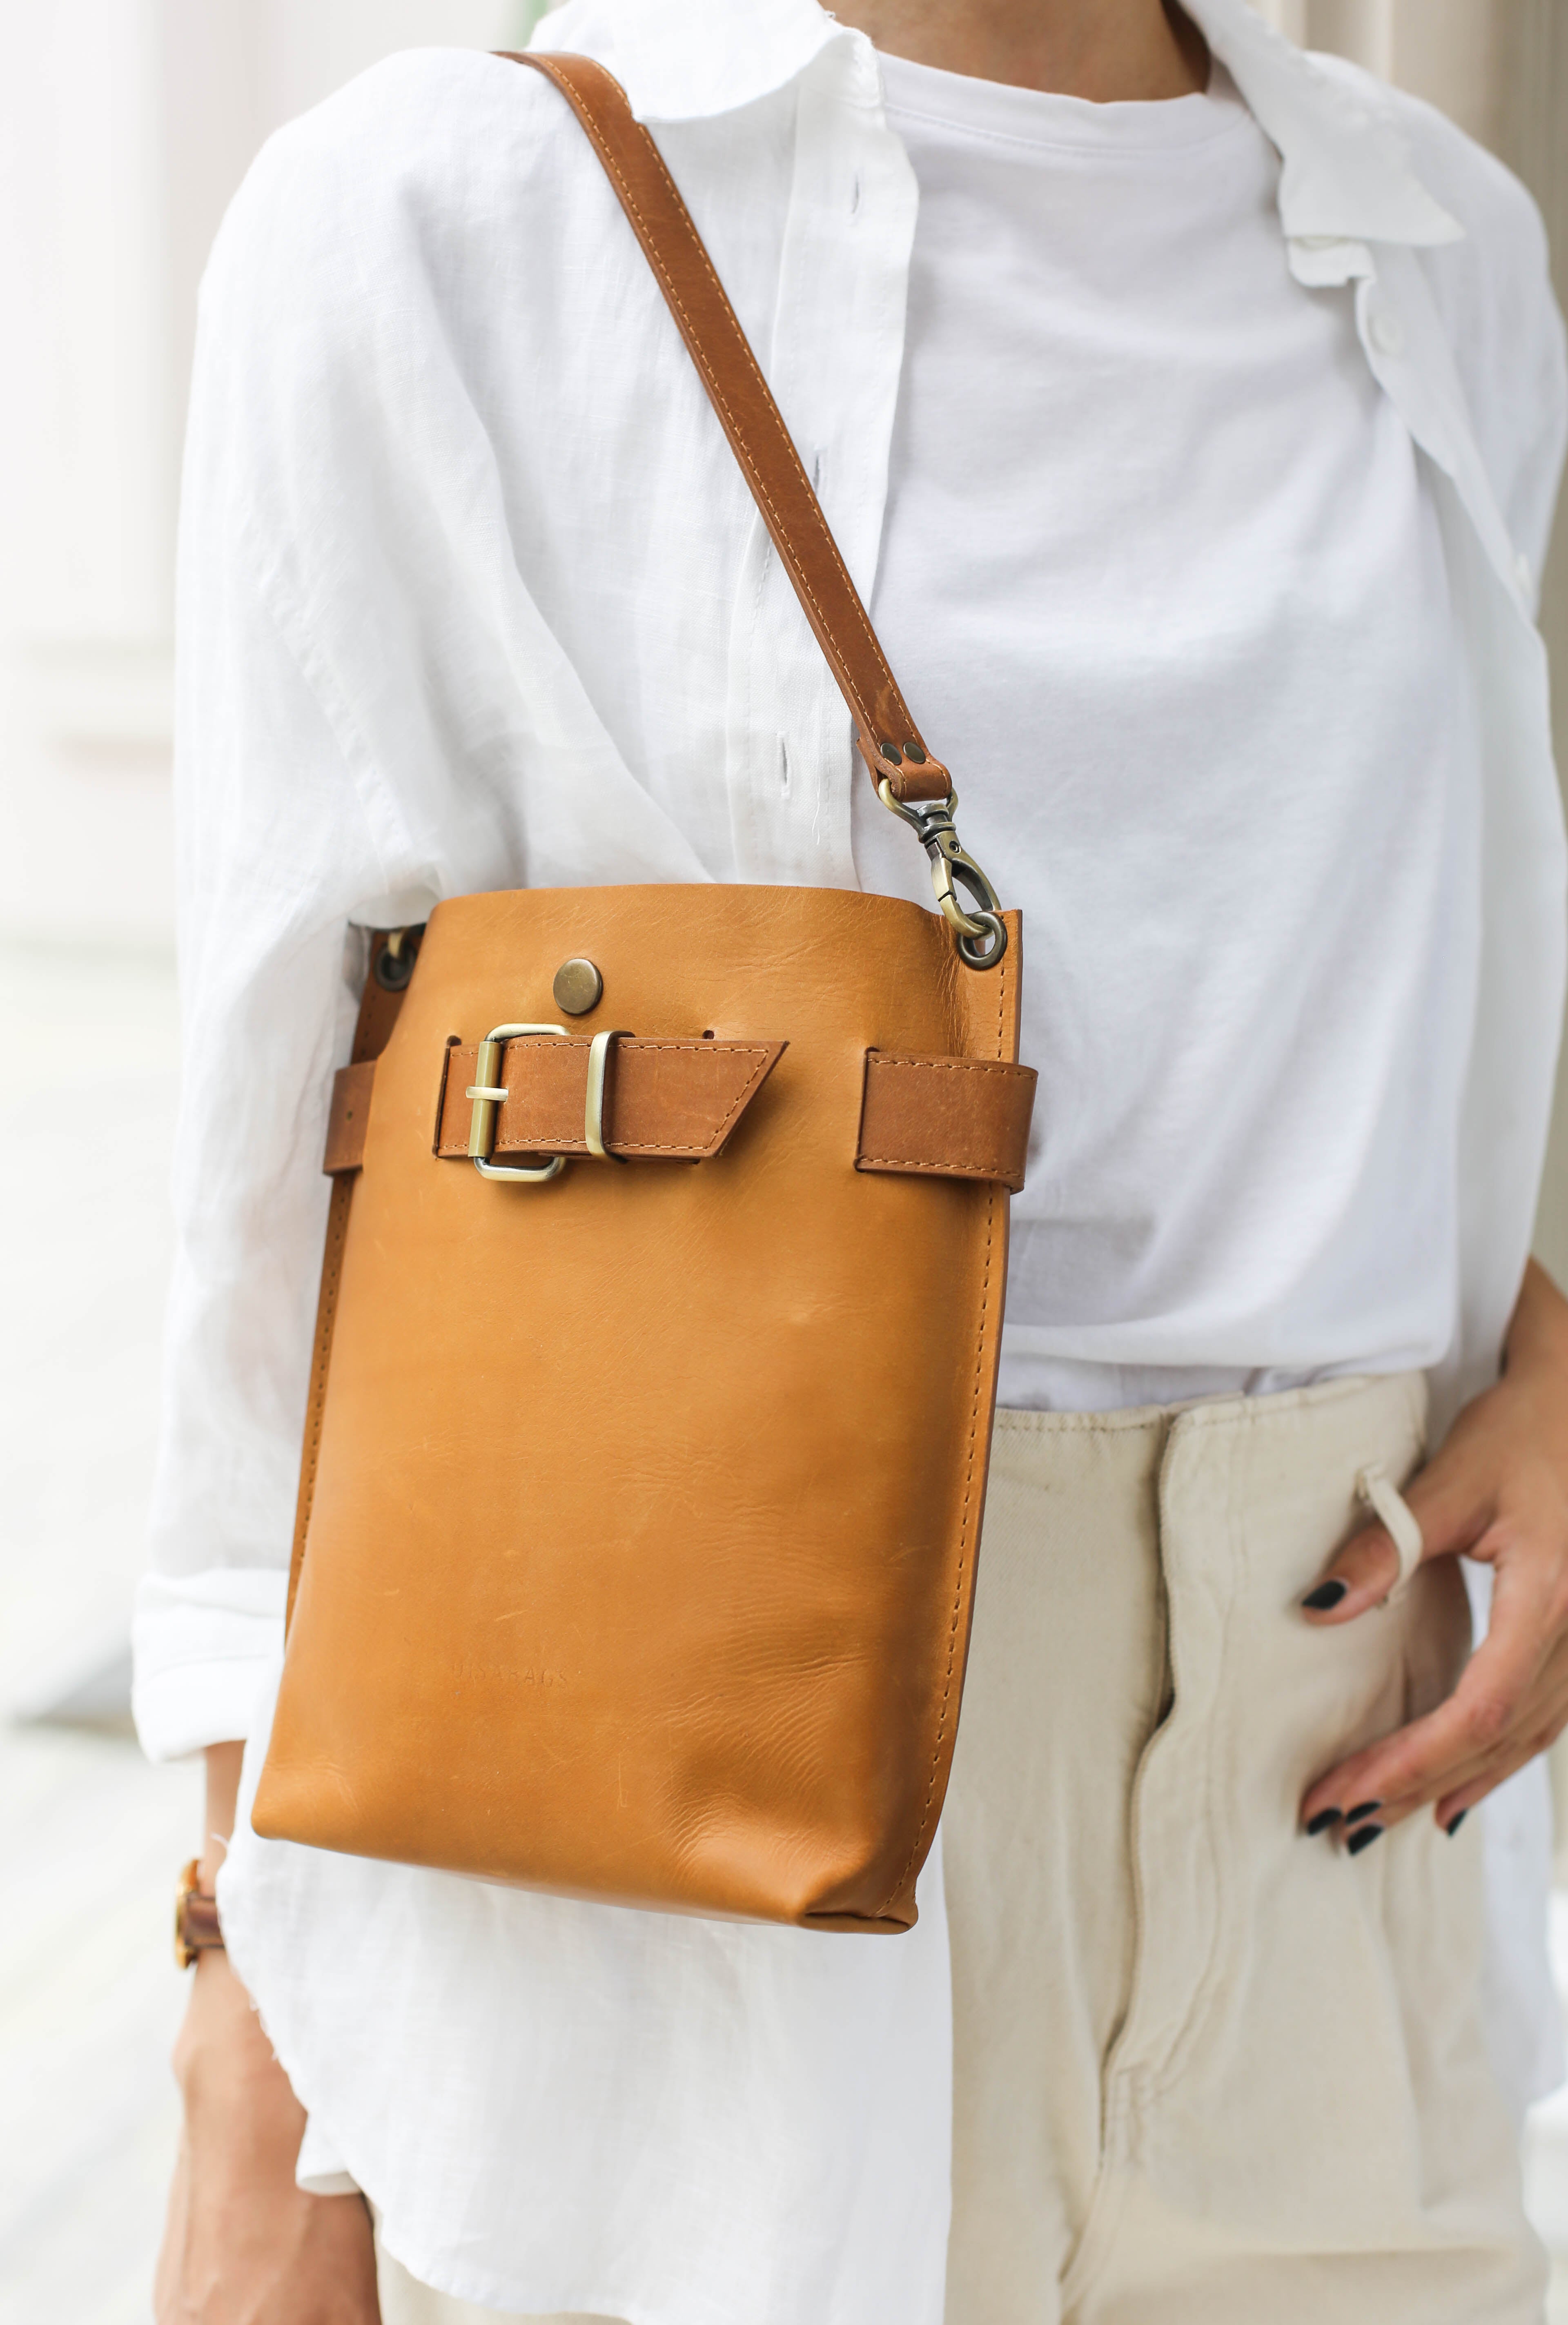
{"type": "Point", "coordinates": [1541, 1722]}
{"type": "Point", "coordinates": [1479, 1719]}
{"type": "Point", "coordinates": [1469, 1784]}
{"type": "Point", "coordinates": [1454, 1806]}
{"type": "Point", "coordinates": [1414, 1764]}
{"type": "Point", "coordinates": [1453, 1500]}
{"type": "Point", "coordinates": [1369, 1821]}
{"type": "Point", "coordinates": [1360, 1575]}
{"type": "Point", "coordinates": [1450, 1800]}
{"type": "Point", "coordinates": [1452, 1507]}
{"type": "Point", "coordinates": [1542, 1718]}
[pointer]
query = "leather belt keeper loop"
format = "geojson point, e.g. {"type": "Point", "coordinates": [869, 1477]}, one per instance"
{"type": "Point", "coordinates": [349, 1118]}
{"type": "Point", "coordinates": [947, 1118]}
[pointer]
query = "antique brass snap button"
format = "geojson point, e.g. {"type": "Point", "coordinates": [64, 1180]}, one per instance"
{"type": "Point", "coordinates": [578, 987]}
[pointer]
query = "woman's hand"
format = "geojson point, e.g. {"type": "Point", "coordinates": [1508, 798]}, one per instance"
{"type": "Point", "coordinates": [1496, 1492]}
{"type": "Point", "coordinates": [243, 2244]}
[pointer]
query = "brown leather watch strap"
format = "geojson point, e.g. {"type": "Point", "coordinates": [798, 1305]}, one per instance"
{"type": "Point", "coordinates": [670, 1101]}
{"type": "Point", "coordinates": [889, 740]}
{"type": "Point", "coordinates": [954, 1117]}
{"type": "Point", "coordinates": [197, 1928]}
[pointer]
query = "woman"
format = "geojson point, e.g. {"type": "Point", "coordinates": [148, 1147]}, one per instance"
{"type": "Point", "coordinates": [1191, 415]}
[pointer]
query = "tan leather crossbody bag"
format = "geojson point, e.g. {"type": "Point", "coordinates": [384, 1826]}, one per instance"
{"type": "Point", "coordinates": [656, 1354]}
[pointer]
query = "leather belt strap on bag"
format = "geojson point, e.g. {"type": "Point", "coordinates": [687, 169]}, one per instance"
{"type": "Point", "coordinates": [952, 1117]}
{"type": "Point", "coordinates": [665, 1101]}
{"type": "Point", "coordinates": [679, 1101]}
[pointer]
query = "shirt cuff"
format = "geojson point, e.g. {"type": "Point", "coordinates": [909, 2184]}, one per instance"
{"type": "Point", "coordinates": [201, 1645]}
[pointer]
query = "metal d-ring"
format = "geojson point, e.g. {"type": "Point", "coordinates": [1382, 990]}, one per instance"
{"type": "Point", "coordinates": [488, 1097]}
{"type": "Point", "coordinates": [599, 1051]}
{"type": "Point", "coordinates": [932, 825]}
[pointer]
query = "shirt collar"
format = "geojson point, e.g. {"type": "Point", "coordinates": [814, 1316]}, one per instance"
{"type": "Point", "coordinates": [1346, 169]}
{"type": "Point", "coordinates": [686, 59]}
{"type": "Point", "coordinates": [1346, 174]}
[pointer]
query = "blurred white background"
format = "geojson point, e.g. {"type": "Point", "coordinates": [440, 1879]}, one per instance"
{"type": "Point", "coordinates": [124, 127]}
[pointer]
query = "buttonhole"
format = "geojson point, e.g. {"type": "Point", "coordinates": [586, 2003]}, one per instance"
{"type": "Point", "coordinates": [783, 766]}
{"type": "Point", "coordinates": [855, 195]}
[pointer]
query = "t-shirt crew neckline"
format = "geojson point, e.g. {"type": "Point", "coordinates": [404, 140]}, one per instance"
{"type": "Point", "coordinates": [999, 112]}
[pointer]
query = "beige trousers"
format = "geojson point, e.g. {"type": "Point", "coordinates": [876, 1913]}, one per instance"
{"type": "Point", "coordinates": [1207, 2072]}
{"type": "Point", "coordinates": [405, 2302]}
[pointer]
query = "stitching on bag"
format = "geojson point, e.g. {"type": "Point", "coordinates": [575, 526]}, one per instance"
{"type": "Point", "coordinates": [965, 1169]}
{"type": "Point", "coordinates": [882, 1062]}
{"type": "Point", "coordinates": [338, 1230]}
{"type": "Point", "coordinates": [957, 1601]}
{"type": "Point", "coordinates": [688, 229]}
{"type": "Point", "coordinates": [958, 1598]}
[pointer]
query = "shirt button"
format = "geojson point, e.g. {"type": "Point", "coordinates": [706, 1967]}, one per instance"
{"type": "Point", "coordinates": [1388, 332]}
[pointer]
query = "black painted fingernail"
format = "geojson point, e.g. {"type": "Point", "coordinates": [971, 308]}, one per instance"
{"type": "Point", "coordinates": [1366, 1809]}
{"type": "Point", "coordinates": [1322, 1821]}
{"type": "Point", "coordinates": [1327, 1593]}
{"type": "Point", "coordinates": [1367, 1834]}
{"type": "Point", "coordinates": [1457, 1821]}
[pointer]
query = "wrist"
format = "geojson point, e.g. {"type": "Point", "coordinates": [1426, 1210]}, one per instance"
{"type": "Point", "coordinates": [234, 2095]}
{"type": "Point", "coordinates": [224, 1762]}
{"type": "Point", "coordinates": [1537, 1351]}
{"type": "Point", "coordinates": [197, 1927]}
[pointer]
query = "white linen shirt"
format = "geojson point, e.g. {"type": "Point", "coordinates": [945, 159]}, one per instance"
{"type": "Point", "coordinates": [465, 606]}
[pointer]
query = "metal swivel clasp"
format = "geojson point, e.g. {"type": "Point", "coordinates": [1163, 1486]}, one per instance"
{"type": "Point", "coordinates": [981, 935]}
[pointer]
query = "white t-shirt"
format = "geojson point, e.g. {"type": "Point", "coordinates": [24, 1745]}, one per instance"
{"type": "Point", "coordinates": [1162, 578]}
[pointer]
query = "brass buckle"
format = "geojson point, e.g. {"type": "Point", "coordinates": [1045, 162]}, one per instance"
{"type": "Point", "coordinates": [599, 1051]}
{"type": "Point", "coordinates": [488, 1097]}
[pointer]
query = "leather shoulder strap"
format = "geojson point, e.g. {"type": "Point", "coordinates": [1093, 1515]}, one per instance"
{"type": "Point", "coordinates": [889, 740]}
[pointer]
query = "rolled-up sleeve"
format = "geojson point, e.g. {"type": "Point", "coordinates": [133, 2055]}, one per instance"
{"type": "Point", "coordinates": [203, 1646]}
{"type": "Point", "coordinates": [286, 837]}
{"type": "Point", "coordinates": [406, 638]}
